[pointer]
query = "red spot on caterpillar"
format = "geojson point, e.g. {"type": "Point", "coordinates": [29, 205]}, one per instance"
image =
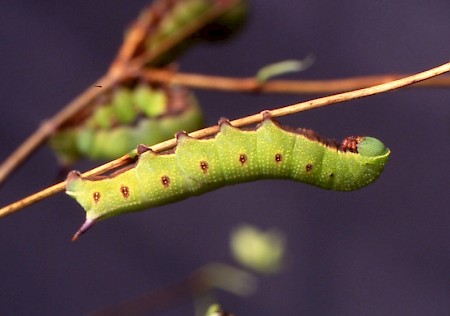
{"type": "Point", "coordinates": [165, 180]}
{"type": "Point", "coordinates": [308, 167]}
{"type": "Point", "coordinates": [278, 158]}
{"type": "Point", "coordinates": [204, 166]}
{"type": "Point", "coordinates": [125, 191]}
{"type": "Point", "coordinates": [96, 196]}
{"type": "Point", "coordinates": [351, 144]}
{"type": "Point", "coordinates": [243, 159]}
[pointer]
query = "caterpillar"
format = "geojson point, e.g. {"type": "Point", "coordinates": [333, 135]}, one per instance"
{"type": "Point", "coordinates": [196, 166]}
{"type": "Point", "coordinates": [169, 17]}
{"type": "Point", "coordinates": [125, 118]}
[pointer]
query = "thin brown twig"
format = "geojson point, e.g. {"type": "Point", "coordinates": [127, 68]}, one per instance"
{"type": "Point", "coordinates": [48, 127]}
{"type": "Point", "coordinates": [252, 119]}
{"type": "Point", "coordinates": [119, 70]}
{"type": "Point", "coordinates": [251, 84]}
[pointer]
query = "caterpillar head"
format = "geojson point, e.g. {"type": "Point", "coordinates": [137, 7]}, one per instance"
{"type": "Point", "coordinates": [364, 145]}
{"type": "Point", "coordinates": [371, 147]}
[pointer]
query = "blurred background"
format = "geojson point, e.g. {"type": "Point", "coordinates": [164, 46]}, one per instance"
{"type": "Point", "coordinates": [383, 250]}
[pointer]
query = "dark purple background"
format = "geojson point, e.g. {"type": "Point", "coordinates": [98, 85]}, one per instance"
{"type": "Point", "coordinates": [383, 250]}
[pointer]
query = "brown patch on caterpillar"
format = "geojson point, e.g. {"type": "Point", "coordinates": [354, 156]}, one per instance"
{"type": "Point", "coordinates": [180, 135]}
{"type": "Point", "coordinates": [165, 180]}
{"type": "Point", "coordinates": [278, 158]}
{"type": "Point", "coordinates": [72, 177]}
{"type": "Point", "coordinates": [351, 144]}
{"type": "Point", "coordinates": [141, 148]}
{"type": "Point", "coordinates": [96, 195]}
{"type": "Point", "coordinates": [308, 167]}
{"type": "Point", "coordinates": [312, 135]}
{"type": "Point", "coordinates": [266, 115]}
{"type": "Point", "coordinates": [125, 191]}
{"type": "Point", "coordinates": [348, 144]}
{"type": "Point", "coordinates": [331, 175]}
{"type": "Point", "coordinates": [309, 134]}
{"type": "Point", "coordinates": [243, 159]}
{"type": "Point", "coordinates": [223, 121]}
{"type": "Point", "coordinates": [204, 166]}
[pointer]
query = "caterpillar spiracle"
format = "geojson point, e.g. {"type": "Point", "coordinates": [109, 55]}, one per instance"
{"type": "Point", "coordinates": [196, 166]}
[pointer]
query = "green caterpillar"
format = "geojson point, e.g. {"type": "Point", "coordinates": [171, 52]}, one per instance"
{"type": "Point", "coordinates": [125, 118]}
{"type": "Point", "coordinates": [169, 17]}
{"type": "Point", "coordinates": [233, 156]}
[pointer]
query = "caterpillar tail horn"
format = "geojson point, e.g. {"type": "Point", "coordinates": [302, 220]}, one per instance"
{"type": "Point", "coordinates": [86, 225]}
{"type": "Point", "coordinates": [74, 182]}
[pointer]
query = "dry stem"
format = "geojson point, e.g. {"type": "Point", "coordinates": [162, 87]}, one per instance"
{"type": "Point", "coordinates": [251, 84]}
{"type": "Point", "coordinates": [308, 105]}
